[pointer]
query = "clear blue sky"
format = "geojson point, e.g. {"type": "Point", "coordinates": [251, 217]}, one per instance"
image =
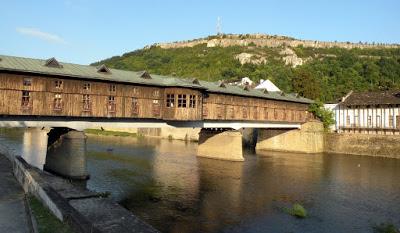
{"type": "Point", "coordinates": [84, 31]}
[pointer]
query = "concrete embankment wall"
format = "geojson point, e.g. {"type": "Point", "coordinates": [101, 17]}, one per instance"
{"type": "Point", "coordinates": [186, 134]}
{"type": "Point", "coordinates": [363, 144]}
{"type": "Point", "coordinates": [308, 139]}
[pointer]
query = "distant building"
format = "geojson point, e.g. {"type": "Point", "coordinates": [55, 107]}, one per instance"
{"type": "Point", "coordinates": [368, 112]}
{"type": "Point", "coordinates": [268, 85]}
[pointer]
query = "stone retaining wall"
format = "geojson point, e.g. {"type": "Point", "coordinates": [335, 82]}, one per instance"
{"type": "Point", "coordinates": [363, 144]}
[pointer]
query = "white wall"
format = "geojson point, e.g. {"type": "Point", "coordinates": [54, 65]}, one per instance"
{"type": "Point", "coordinates": [341, 113]}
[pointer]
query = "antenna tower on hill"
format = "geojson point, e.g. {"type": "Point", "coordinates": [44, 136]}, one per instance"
{"type": "Point", "coordinates": [219, 27]}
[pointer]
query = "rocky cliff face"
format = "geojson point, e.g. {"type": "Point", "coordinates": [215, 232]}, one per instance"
{"type": "Point", "coordinates": [269, 41]}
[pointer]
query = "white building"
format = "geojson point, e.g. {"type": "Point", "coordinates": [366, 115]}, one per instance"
{"type": "Point", "coordinates": [268, 85]}
{"type": "Point", "coordinates": [368, 112]}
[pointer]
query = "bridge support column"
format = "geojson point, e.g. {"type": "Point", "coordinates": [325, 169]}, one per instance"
{"type": "Point", "coordinates": [308, 139]}
{"type": "Point", "coordinates": [66, 153]}
{"type": "Point", "coordinates": [220, 144]}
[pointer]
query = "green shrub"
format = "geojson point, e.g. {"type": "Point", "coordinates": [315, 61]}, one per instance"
{"type": "Point", "coordinates": [297, 210]}
{"type": "Point", "coordinates": [323, 114]}
{"type": "Point", "coordinates": [386, 228]}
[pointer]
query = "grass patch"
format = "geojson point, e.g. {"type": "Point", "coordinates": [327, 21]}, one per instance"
{"type": "Point", "coordinates": [386, 228]}
{"type": "Point", "coordinates": [297, 210]}
{"type": "Point", "coordinates": [111, 133]}
{"type": "Point", "coordinates": [46, 221]}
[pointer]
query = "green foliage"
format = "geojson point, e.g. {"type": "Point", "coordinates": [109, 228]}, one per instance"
{"type": "Point", "coordinates": [297, 210]}
{"type": "Point", "coordinates": [46, 221]}
{"type": "Point", "coordinates": [386, 228]}
{"type": "Point", "coordinates": [325, 115]}
{"type": "Point", "coordinates": [328, 75]}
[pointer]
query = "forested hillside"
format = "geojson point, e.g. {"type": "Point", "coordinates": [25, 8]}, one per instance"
{"type": "Point", "coordinates": [318, 73]}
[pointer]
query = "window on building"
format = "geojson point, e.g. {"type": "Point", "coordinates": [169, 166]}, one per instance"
{"type": "Point", "coordinates": [181, 101]}
{"type": "Point", "coordinates": [86, 86]}
{"type": "Point", "coordinates": [135, 106]}
{"type": "Point", "coordinates": [219, 112]}
{"type": "Point", "coordinates": [170, 100]}
{"type": "Point", "coordinates": [57, 102]}
{"type": "Point", "coordinates": [58, 84]}
{"type": "Point", "coordinates": [369, 121]}
{"type": "Point", "coordinates": [347, 120]}
{"type": "Point", "coordinates": [391, 121]}
{"type": "Point", "coordinates": [192, 101]}
{"type": "Point", "coordinates": [244, 112]}
{"type": "Point", "coordinates": [87, 106]}
{"type": "Point", "coordinates": [292, 116]}
{"type": "Point", "coordinates": [135, 91]}
{"type": "Point", "coordinates": [156, 93]}
{"type": "Point", "coordinates": [378, 121]}
{"type": "Point", "coordinates": [111, 105]}
{"type": "Point", "coordinates": [26, 99]}
{"type": "Point", "coordinates": [231, 112]}
{"type": "Point", "coordinates": [113, 88]}
{"type": "Point", "coordinates": [265, 113]}
{"type": "Point", "coordinates": [156, 108]}
{"type": "Point", "coordinates": [356, 121]}
{"type": "Point", "coordinates": [27, 82]}
{"type": "Point", "coordinates": [205, 111]}
{"type": "Point", "coordinates": [275, 114]}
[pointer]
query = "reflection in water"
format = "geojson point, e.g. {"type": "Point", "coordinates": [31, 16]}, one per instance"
{"type": "Point", "coordinates": [167, 185]}
{"type": "Point", "coordinates": [164, 183]}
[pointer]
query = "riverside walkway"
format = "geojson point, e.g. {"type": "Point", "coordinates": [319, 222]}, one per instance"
{"type": "Point", "coordinates": [14, 217]}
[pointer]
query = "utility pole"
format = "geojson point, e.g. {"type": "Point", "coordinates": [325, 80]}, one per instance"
{"type": "Point", "coordinates": [219, 27]}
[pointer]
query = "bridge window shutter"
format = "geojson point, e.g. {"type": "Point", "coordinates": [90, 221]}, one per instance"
{"type": "Point", "coordinates": [87, 106]}
{"type": "Point", "coordinates": [111, 106]}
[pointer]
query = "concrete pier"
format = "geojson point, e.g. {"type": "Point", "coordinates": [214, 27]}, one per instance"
{"type": "Point", "coordinates": [66, 157]}
{"type": "Point", "coordinates": [308, 139]}
{"type": "Point", "coordinates": [220, 144]}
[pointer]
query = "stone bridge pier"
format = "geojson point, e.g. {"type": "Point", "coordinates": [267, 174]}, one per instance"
{"type": "Point", "coordinates": [58, 150]}
{"type": "Point", "coordinates": [223, 144]}
{"type": "Point", "coordinates": [66, 153]}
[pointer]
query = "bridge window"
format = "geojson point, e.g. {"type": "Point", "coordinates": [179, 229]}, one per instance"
{"type": "Point", "coordinates": [192, 101]}
{"type": "Point", "coordinates": [86, 86]}
{"type": "Point", "coordinates": [26, 99]}
{"type": "Point", "coordinates": [231, 112]}
{"type": "Point", "coordinates": [244, 112]}
{"type": "Point", "coordinates": [156, 108]}
{"type": "Point", "coordinates": [57, 102]}
{"type": "Point", "coordinates": [135, 91]}
{"type": "Point", "coordinates": [135, 106]}
{"type": "Point", "coordinates": [170, 100]}
{"type": "Point", "coordinates": [156, 93]}
{"type": "Point", "coordinates": [391, 120]}
{"type": "Point", "coordinates": [111, 105]}
{"type": "Point", "coordinates": [348, 120]}
{"type": "Point", "coordinates": [369, 121]}
{"type": "Point", "coordinates": [265, 113]}
{"type": "Point", "coordinates": [181, 101]}
{"type": "Point", "coordinates": [275, 114]}
{"type": "Point", "coordinates": [113, 88]}
{"type": "Point", "coordinates": [58, 84]}
{"type": "Point", "coordinates": [27, 82]}
{"type": "Point", "coordinates": [86, 103]}
{"type": "Point", "coordinates": [205, 111]}
{"type": "Point", "coordinates": [255, 111]}
{"type": "Point", "coordinates": [219, 112]}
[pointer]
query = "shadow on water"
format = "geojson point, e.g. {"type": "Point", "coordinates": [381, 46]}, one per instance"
{"type": "Point", "coordinates": [165, 184]}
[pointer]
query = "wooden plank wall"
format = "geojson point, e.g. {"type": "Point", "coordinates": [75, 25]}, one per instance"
{"type": "Point", "coordinates": [151, 101]}
{"type": "Point", "coordinates": [229, 107]}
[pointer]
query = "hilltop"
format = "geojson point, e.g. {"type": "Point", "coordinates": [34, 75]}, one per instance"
{"type": "Point", "coordinates": [314, 69]}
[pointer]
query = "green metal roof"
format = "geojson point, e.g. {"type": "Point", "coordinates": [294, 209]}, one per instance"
{"type": "Point", "coordinates": [37, 66]}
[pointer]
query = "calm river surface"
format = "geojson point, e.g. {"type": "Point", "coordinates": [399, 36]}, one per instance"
{"type": "Point", "coordinates": [165, 184]}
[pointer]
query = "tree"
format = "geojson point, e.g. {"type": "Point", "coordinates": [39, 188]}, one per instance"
{"type": "Point", "coordinates": [306, 84]}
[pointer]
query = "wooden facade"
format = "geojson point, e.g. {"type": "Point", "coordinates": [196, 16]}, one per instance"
{"type": "Point", "coordinates": [50, 95]}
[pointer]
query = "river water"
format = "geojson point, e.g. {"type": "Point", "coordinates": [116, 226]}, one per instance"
{"type": "Point", "coordinates": [165, 184]}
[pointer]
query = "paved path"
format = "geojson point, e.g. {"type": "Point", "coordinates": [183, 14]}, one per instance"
{"type": "Point", "coordinates": [13, 214]}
